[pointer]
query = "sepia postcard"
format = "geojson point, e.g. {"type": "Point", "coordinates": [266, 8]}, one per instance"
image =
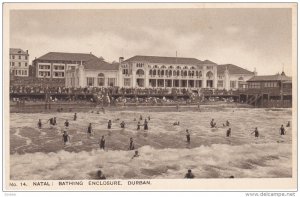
{"type": "Point", "coordinates": [150, 96]}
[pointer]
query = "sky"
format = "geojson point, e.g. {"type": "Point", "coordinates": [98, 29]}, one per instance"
{"type": "Point", "coordinates": [250, 38]}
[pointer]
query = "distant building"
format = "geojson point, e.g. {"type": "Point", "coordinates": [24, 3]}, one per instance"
{"type": "Point", "coordinates": [18, 61]}
{"type": "Point", "coordinates": [93, 73]}
{"type": "Point", "coordinates": [232, 77]}
{"type": "Point", "coordinates": [55, 64]}
{"type": "Point", "coordinates": [167, 72]}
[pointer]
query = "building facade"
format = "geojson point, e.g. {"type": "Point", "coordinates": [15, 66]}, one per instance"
{"type": "Point", "coordinates": [55, 64]}
{"type": "Point", "coordinates": [93, 73]}
{"type": "Point", "coordinates": [167, 72]}
{"type": "Point", "coordinates": [232, 77]}
{"type": "Point", "coordinates": [158, 72]}
{"type": "Point", "coordinates": [18, 61]}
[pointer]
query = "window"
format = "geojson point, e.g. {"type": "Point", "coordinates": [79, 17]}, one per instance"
{"type": "Point", "coordinates": [13, 63]}
{"type": "Point", "coordinates": [232, 84]}
{"type": "Point", "coordinates": [254, 85]}
{"type": "Point", "coordinates": [19, 64]}
{"type": "Point", "coordinates": [111, 81]}
{"type": "Point", "coordinates": [125, 71]}
{"type": "Point", "coordinates": [26, 57]}
{"type": "Point", "coordinates": [90, 81]}
{"type": "Point", "coordinates": [220, 83]}
{"type": "Point", "coordinates": [101, 79]}
{"type": "Point", "coordinates": [140, 72]}
{"type": "Point", "coordinates": [127, 82]}
{"type": "Point", "coordinates": [13, 57]}
{"type": "Point", "coordinates": [25, 64]}
{"type": "Point", "coordinates": [19, 57]}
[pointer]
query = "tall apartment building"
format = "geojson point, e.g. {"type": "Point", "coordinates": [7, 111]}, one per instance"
{"type": "Point", "coordinates": [18, 61]}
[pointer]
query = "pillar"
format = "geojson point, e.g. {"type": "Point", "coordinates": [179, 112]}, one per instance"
{"type": "Point", "coordinates": [204, 77]}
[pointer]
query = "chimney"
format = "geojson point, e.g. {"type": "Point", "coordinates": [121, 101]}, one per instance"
{"type": "Point", "coordinates": [121, 59]}
{"type": "Point", "coordinates": [27, 51]}
{"type": "Point", "coordinates": [255, 72]}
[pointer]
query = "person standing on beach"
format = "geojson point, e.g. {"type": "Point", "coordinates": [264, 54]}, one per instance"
{"type": "Point", "coordinates": [282, 130]}
{"type": "Point", "coordinates": [102, 143]}
{"type": "Point", "coordinates": [109, 124]}
{"type": "Point", "coordinates": [256, 133]}
{"type": "Point", "coordinates": [141, 117]}
{"type": "Point", "coordinates": [227, 123]}
{"type": "Point", "coordinates": [288, 124]}
{"type": "Point", "coordinates": [131, 144]}
{"type": "Point", "coordinates": [212, 123]}
{"type": "Point", "coordinates": [67, 123]}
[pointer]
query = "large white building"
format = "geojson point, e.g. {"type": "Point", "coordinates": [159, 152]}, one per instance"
{"type": "Point", "coordinates": [158, 72]}
{"type": "Point", "coordinates": [18, 61]}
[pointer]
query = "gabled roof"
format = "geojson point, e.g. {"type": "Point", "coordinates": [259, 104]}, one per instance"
{"type": "Point", "coordinates": [59, 56]}
{"type": "Point", "coordinates": [17, 51]}
{"type": "Point", "coordinates": [277, 77]}
{"type": "Point", "coordinates": [233, 69]}
{"type": "Point", "coordinates": [99, 64]}
{"type": "Point", "coordinates": [165, 60]}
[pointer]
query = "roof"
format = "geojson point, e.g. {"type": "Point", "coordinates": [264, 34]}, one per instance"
{"type": "Point", "coordinates": [17, 51]}
{"type": "Point", "coordinates": [277, 77]}
{"type": "Point", "coordinates": [167, 60]}
{"type": "Point", "coordinates": [233, 69]}
{"type": "Point", "coordinates": [99, 64]}
{"type": "Point", "coordinates": [67, 56]}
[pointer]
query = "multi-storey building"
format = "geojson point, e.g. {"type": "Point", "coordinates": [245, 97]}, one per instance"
{"type": "Point", "coordinates": [55, 64]}
{"type": "Point", "coordinates": [158, 72]}
{"type": "Point", "coordinates": [232, 77]}
{"type": "Point", "coordinates": [167, 72]}
{"type": "Point", "coordinates": [18, 61]}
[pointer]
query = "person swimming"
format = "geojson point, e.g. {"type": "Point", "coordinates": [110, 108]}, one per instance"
{"type": "Point", "coordinates": [256, 133]}
{"type": "Point", "coordinates": [189, 175]}
{"type": "Point", "coordinates": [176, 123]}
{"type": "Point", "coordinates": [109, 124]}
{"type": "Point", "coordinates": [131, 144]}
{"type": "Point", "coordinates": [213, 124]}
{"type": "Point", "coordinates": [282, 130]}
{"type": "Point", "coordinates": [145, 124]}
{"type": "Point", "coordinates": [100, 175]}
{"type": "Point", "coordinates": [65, 137]}
{"type": "Point", "coordinates": [122, 124]}
{"type": "Point", "coordinates": [227, 123]}
{"type": "Point", "coordinates": [40, 124]}
{"type": "Point", "coordinates": [138, 126]}
{"type": "Point", "coordinates": [188, 136]}
{"type": "Point", "coordinates": [228, 132]}
{"type": "Point", "coordinates": [136, 154]}
{"type": "Point", "coordinates": [67, 123]}
{"type": "Point", "coordinates": [75, 117]}
{"type": "Point", "coordinates": [89, 130]}
{"type": "Point", "coordinates": [102, 143]}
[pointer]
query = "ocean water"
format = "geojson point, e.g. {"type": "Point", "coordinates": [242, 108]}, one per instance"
{"type": "Point", "coordinates": [164, 153]}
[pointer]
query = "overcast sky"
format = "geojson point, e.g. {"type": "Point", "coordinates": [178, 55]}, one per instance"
{"type": "Point", "coordinates": [248, 38]}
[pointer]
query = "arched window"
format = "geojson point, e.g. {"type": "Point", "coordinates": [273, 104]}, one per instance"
{"type": "Point", "coordinates": [162, 72]}
{"type": "Point", "coordinates": [200, 74]}
{"type": "Point", "coordinates": [174, 73]}
{"type": "Point", "coordinates": [150, 72]}
{"type": "Point", "coordinates": [181, 73]}
{"type": "Point", "coordinates": [154, 72]}
{"type": "Point", "coordinates": [158, 72]}
{"type": "Point", "coordinates": [101, 79]}
{"type": "Point", "coordinates": [197, 73]}
{"type": "Point", "coordinates": [178, 67]}
{"type": "Point", "coordinates": [178, 73]}
{"type": "Point", "coordinates": [185, 73]}
{"type": "Point", "coordinates": [170, 73]}
{"type": "Point", "coordinates": [140, 72]}
{"type": "Point", "coordinates": [209, 74]}
{"type": "Point", "coordinates": [163, 67]}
